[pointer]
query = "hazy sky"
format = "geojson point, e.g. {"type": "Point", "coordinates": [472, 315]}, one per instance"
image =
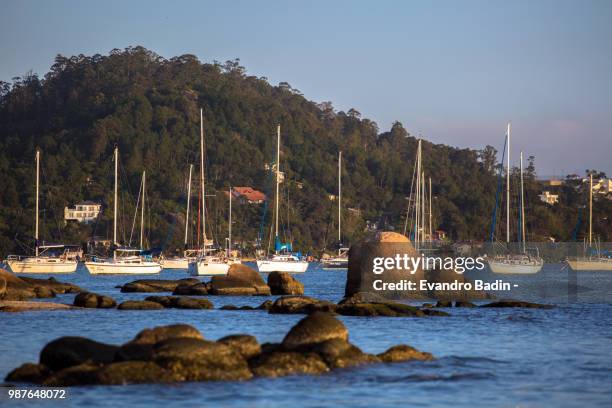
{"type": "Point", "coordinates": [455, 71]}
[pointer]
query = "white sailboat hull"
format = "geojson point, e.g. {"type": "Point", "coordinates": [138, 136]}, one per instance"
{"type": "Point", "coordinates": [504, 267]}
{"type": "Point", "coordinates": [123, 268]}
{"type": "Point", "coordinates": [42, 265]}
{"type": "Point", "coordinates": [175, 263]}
{"type": "Point", "coordinates": [208, 268]}
{"type": "Point", "coordinates": [590, 264]}
{"type": "Point", "coordinates": [270, 265]}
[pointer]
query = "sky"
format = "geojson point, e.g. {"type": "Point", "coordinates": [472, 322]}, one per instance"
{"type": "Point", "coordinates": [454, 72]}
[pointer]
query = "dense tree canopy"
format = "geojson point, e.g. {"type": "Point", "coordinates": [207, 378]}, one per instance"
{"type": "Point", "coordinates": [149, 107]}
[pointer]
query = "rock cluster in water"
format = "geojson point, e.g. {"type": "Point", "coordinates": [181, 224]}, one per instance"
{"type": "Point", "coordinates": [240, 280]}
{"type": "Point", "coordinates": [13, 287]}
{"type": "Point", "coordinates": [316, 344]}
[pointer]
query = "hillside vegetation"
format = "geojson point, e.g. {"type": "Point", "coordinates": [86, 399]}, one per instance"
{"type": "Point", "coordinates": [149, 106]}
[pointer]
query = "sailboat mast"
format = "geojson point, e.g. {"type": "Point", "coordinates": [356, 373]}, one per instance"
{"type": "Point", "coordinates": [142, 210]}
{"type": "Point", "coordinates": [591, 209]}
{"type": "Point", "coordinates": [423, 229]}
{"type": "Point", "coordinates": [115, 199]}
{"type": "Point", "coordinates": [277, 180]}
{"type": "Point", "coordinates": [37, 193]}
{"type": "Point", "coordinates": [430, 232]}
{"type": "Point", "coordinates": [417, 203]}
{"type": "Point", "coordinates": [522, 207]}
{"type": "Point", "coordinates": [229, 234]}
{"type": "Point", "coordinates": [339, 198]}
{"type": "Point", "coordinates": [188, 198]}
{"type": "Point", "coordinates": [202, 178]}
{"type": "Point", "coordinates": [508, 185]}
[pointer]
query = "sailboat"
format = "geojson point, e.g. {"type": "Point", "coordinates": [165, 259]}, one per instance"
{"type": "Point", "coordinates": [207, 262]}
{"type": "Point", "coordinates": [125, 261]}
{"type": "Point", "coordinates": [188, 254]}
{"type": "Point", "coordinates": [595, 262]}
{"type": "Point", "coordinates": [282, 260]}
{"type": "Point", "coordinates": [521, 263]}
{"type": "Point", "coordinates": [48, 258]}
{"type": "Point", "coordinates": [341, 260]}
{"type": "Point", "coordinates": [421, 226]}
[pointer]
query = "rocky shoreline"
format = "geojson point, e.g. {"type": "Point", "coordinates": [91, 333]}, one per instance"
{"type": "Point", "coordinates": [317, 344]}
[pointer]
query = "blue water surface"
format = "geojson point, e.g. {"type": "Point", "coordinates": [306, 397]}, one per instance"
{"type": "Point", "coordinates": [486, 357]}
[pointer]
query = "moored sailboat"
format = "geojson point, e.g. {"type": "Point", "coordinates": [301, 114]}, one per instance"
{"type": "Point", "coordinates": [125, 261]}
{"type": "Point", "coordinates": [515, 263]}
{"type": "Point", "coordinates": [282, 260]}
{"type": "Point", "coordinates": [47, 258]}
{"type": "Point", "coordinates": [339, 261]}
{"type": "Point", "coordinates": [595, 261]}
{"type": "Point", "coordinates": [208, 262]}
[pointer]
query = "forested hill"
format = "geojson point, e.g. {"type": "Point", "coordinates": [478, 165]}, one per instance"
{"type": "Point", "coordinates": [149, 106]}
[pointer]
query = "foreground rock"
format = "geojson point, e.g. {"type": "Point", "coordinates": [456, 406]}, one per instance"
{"type": "Point", "coordinates": [518, 303]}
{"type": "Point", "coordinates": [13, 287]}
{"type": "Point", "coordinates": [239, 281]}
{"type": "Point", "coordinates": [94, 300]}
{"type": "Point", "coordinates": [168, 354]}
{"type": "Point", "coordinates": [24, 306]}
{"type": "Point", "coordinates": [282, 283]}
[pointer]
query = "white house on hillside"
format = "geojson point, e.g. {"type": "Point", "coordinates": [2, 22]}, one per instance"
{"type": "Point", "coordinates": [86, 211]}
{"type": "Point", "coordinates": [548, 198]}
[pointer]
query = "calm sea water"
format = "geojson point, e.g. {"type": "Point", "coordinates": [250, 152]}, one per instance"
{"type": "Point", "coordinates": [485, 357]}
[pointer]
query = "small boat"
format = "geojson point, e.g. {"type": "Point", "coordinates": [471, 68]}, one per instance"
{"type": "Point", "coordinates": [521, 263]}
{"type": "Point", "coordinates": [125, 261]}
{"type": "Point", "coordinates": [282, 263]}
{"type": "Point", "coordinates": [282, 260]}
{"type": "Point", "coordinates": [515, 264]}
{"type": "Point", "coordinates": [595, 262]}
{"type": "Point", "coordinates": [48, 258]}
{"type": "Point", "coordinates": [339, 261]}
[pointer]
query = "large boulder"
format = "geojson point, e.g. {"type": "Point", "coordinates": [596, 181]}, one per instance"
{"type": "Point", "coordinates": [315, 328]}
{"type": "Point", "coordinates": [71, 351]}
{"type": "Point", "coordinates": [53, 284]}
{"type": "Point", "coordinates": [239, 281]}
{"type": "Point", "coordinates": [94, 300]}
{"type": "Point", "coordinates": [282, 283]}
{"type": "Point", "coordinates": [361, 276]}
{"type": "Point", "coordinates": [389, 309]}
